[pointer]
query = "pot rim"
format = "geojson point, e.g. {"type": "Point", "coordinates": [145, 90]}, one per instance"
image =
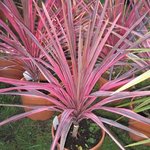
{"type": "Point", "coordinates": [93, 148]}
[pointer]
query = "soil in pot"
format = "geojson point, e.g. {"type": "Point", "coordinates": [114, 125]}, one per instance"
{"type": "Point", "coordinates": [35, 101]}
{"type": "Point", "coordinates": [90, 137]}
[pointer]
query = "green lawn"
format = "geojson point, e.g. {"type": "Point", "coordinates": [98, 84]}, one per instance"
{"type": "Point", "coordinates": [36, 135]}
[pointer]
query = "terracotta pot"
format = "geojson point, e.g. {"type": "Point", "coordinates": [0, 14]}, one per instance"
{"type": "Point", "coordinates": [36, 101]}
{"type": "Point", "coordinates": [96, 147]}
{"type": "Point", "coordinates": [101, 82]}
{"type": "Point", "coordinates": [141, 127]}
{"type": "Point", "coordinates": [10, 69]}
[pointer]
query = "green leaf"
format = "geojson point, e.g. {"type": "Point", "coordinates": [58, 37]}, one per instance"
{"type": "Point", "coordinates": [139, 143]}
{"type": "Point", "coordinates": [142, 109]}
{"type": "Point", "coordinates": [135, 81]}
{"type": "Point", "coordinates": [145, 103]}
{"type": "Point", "coordinates": [136, 101]}
{"type": "Point", "coordinates": [140, 50]}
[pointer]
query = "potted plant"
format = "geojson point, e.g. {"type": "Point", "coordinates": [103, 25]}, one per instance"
{"type": "Point", "coordinates": [128, 17]}
{"type": "Point", "coordinates": [81, 33]}
{"type": "Point", "coordinates": [140, 54]}
{"type": "Point", "coordinates": [17, 47]}
{"type": "Point", "coordinates": [14, 41]}
{"type": "Point", "coordinates": [140, 106]}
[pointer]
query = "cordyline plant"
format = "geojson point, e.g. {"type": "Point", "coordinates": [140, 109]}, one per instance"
{"type": "Point", "coordinates": [141, 54]}
{"type": "Point", "coordinates": [85, 28]}
{"type": "Point", "coordinates": [14, 42]}
{"type": "Point", "coordinates": [129, 15]}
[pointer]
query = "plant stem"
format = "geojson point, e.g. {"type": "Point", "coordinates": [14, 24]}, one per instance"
{"type": "Point", "coordinates": [75, 129]}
